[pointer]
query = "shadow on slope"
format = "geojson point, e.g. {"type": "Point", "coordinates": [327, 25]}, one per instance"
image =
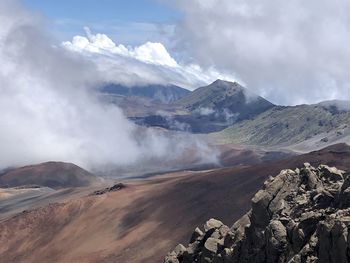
{"type": "Point", "coordinates": [144, 221]}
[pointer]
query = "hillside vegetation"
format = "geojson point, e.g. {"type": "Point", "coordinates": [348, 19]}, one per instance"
{"type": "Point", "coordinates": [285, 126]}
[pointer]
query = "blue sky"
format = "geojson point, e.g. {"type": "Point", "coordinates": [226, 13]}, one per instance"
{"type": "Point", "coordinates": [128, 22]}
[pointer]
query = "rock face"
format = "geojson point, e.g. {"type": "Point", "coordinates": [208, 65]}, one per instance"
{"type": "Point", "coordinates": [298, 216]}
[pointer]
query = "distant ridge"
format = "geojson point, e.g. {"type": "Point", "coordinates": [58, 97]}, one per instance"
{"type": "Point", "coordinates": [163, 93]}
{"type": "Point", "coordinates": [209, 109]}
{"type": "Point", "coordinates": [336, 105]}
{"type": "Point", "coordinates": [317, 125]}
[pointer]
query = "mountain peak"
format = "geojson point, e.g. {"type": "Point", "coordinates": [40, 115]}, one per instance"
{"type": "Point", "coordinates": [225, 82]}
{"type": "Point", "coordinates": [221, 81]}
{"type": "Point", "coordinates": [226, 96]}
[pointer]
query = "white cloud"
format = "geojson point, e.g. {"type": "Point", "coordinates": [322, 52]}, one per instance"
{"type": "Point", "coordinates": [153, 53]}
{"type": "Point", "coordinates": [49, 110]}
{"type": "Point", "coordinates": [292, 52]}
{"type": "Point", "coordinates": [149, 63]}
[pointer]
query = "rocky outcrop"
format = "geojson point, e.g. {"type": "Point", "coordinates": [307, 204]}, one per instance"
{"type": "Point", "coordinates": [114, 188]}
{"type": "Point", "coordinates": [301, 215]}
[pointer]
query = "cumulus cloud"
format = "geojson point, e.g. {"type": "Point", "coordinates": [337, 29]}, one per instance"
{"type": "Point", "coordinates": [291, 52]}
{"type": "Point", "coordinates": [153, 53]}
{"type": "Point", "coordinates": [149, 63]}
{"type": "Point", "coordinates": [49, 110]}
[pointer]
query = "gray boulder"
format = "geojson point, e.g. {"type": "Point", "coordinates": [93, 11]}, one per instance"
{"type": "Point", "coordinates": [300, 215]}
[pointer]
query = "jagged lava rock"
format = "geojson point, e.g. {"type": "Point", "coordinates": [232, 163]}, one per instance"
{"type": "Point", "coordinates": [301, 215]}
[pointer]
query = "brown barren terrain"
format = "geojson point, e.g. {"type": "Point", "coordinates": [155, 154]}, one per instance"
{"type": "Point", "coordinates": [145, 220]}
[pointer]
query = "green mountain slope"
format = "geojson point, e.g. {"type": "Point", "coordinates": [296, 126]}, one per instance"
{"type": "Point", "coordinates": [284, 126]}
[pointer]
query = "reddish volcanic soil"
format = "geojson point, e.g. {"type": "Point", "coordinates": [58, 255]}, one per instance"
{"type": "Point", "coordinates": [142, 222]}
{"type": "Point", "coordinates": [51, 174]}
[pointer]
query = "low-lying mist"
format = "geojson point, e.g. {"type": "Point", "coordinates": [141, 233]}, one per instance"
{"type": "Point", "coordinates": [50, 109]}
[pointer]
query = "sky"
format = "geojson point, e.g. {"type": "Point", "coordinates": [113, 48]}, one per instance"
{"type": "Point", "coordinates": [132, 41]}
{"type": "Point", "coordinates": [96, 11]}
{"type": "Point", "coordinates": [131, 22]}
